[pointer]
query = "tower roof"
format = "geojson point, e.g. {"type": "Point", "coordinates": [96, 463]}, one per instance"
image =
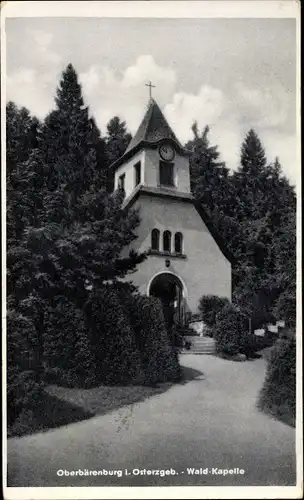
{"type": "Point", "coordinates": [153, 129]}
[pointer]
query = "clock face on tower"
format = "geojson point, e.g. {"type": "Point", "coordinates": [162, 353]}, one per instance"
{"type": "Point", "coordinates": [166, 152]}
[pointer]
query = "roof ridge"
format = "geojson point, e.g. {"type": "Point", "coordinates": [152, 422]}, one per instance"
{"type": "Point", "coordinates": [147, 133]}
{"type": "Point", "coordinates": [151, 103]}
{"type": "Point", "coordinates": [153, 129]}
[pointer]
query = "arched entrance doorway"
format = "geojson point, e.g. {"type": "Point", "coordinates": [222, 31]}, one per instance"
{"type": "Point", "coordinates": [169, 289]}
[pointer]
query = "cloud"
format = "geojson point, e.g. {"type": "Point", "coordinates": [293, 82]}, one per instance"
{"type": "Point", "coordinates": [285, 146]}
{"type": "Point", "coordinates": [146, 69]}
{"type": "Point", "coordinates": [112, 93]}
{"type": "Point", "coordinates": [32, 89]}
{"type": "Point", "coordinates": [230, 113]}
{"type": "Point", "coordinates": [42, 41]}
{"type": "Point", "coordinates": [206, 108]}
{"type": "Point", "coordinates": [90, 79]}
{"type": "Point", "coordinates": [32, 83]}
{"type": "Point", "coordinates": [133, 77]}
{"type": "Point", "coordinates": [266, 108]}
{"type": "Point", "coordinates": [42, 38]}
{"type": "Point", "coordinates": [124, 94]}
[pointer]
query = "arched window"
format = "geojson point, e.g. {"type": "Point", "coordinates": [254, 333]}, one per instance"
{"type": "Point", "coordinates": [167, 241]}
{"type": "Point", "coordinates": [155, 239]}
{"type": "Point", "coordinates": [178, 243]}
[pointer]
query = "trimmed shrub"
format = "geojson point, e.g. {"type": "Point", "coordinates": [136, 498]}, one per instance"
{"type": "Point", "coordinates": [112, 338]}
{"type": "Point", "coordinates": [68, 357]}
{"type": "Point", "coordinates": [159, 358]}
{"type": "Point", "coordinates": [278, 395]}
{"type": "Point", "coordinates": [231, 331]}
{"type": "Point", "coordinates": [210, 306]}
{"type": "Point", "coordinates": [24, 382]}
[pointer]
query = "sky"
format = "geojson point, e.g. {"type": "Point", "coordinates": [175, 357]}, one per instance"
{"type": "Point", "coordinates": [230, 74]}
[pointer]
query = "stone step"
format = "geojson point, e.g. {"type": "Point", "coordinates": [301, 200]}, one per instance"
{"type": "Point", "coordinates": [207, 349]}
{"type": "Point", "coordinates": [195, 339]}
{"type": "Point", "coordinates": [202, 342]}
{"type": "Point", "coordinates": [200, 345]}
{"type": "Point", "coordinates": [202, 349]}
{"type": "Point", "coordinates": [207, 353]}
{"type": "Point", "coordinates": [198, 352]}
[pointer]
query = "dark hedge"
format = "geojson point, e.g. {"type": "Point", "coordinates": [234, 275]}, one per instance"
{"type": "Point", "coordinates": [278, 395]}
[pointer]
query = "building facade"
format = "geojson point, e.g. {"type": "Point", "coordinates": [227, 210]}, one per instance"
{"type": "Point", "coordinates": [185, 257]}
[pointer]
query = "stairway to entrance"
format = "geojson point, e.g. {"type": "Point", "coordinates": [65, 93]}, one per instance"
{"type": "Point", "coordinates": [200, 345]}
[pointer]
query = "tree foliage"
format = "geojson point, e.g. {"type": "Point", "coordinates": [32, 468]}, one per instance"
{"type": "Point", "coordinates": [209, 306]}
{"type": "Point", "coordinates": [69, 247]}
{"type": "Point", "coordinates": [278, 394]}
{"type": "Point", "coordinates": [253, 209]}
{"type": "Point", "coordinates": [117, 140]}
{"type": "Point", "coordinates": [209, 175]}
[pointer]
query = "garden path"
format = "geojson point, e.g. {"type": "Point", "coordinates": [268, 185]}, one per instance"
{"type": "Point", "coordinates": [209, 422]}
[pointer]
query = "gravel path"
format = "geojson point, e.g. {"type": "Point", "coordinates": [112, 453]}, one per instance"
{"type": "Point", "coordinates": [210, 423]}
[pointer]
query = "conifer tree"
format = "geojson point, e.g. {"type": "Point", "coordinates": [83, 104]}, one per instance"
{"type": "Point", "coordinates": [21, 140]}
{"type": "Point", "coordinates": [117, 141]}
{"type": "Point", "coordinates": [70, 141]}
{"type": "Point", "coordinates": [208, 175]}
{"type": "Point", "coordinates": [85, 228]}
{"type": "Point", "coordinates": [73, 232]}
{"type": "Point", "coordinates": [117, 138]}
{"type": "Point", "coordinates": [89, 224]}
{"type": "Point", "coordinates": [24, 196]}
{"type": "Point", "coordinates": [212, 187]}
{"type": "Point", "coordinates": [24, 200]}
{"type": "Point", "coordinates": [265, 201]}
{"type": "Point", "coordinates": [253, 209]}
{"type": "Point", "coordinates": [250, 178]}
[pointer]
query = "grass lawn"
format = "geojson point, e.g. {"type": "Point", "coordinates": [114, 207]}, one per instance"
{"type": "Point", "coordinates": [61, 406]}
{"type": "Point", "coordinates": [102, 399]}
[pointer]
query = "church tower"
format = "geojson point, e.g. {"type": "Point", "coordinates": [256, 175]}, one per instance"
{"type": "Point", "coordinates": [154, 159]}
{"type": "Point", "coordinates": [186, 258]}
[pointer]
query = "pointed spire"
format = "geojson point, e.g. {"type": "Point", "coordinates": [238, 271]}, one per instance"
{"type": "Point", "coordinates": [153, 127]}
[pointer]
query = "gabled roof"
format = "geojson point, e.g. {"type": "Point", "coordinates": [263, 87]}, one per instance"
{"type": "Point", "coordinates": [153, 129]}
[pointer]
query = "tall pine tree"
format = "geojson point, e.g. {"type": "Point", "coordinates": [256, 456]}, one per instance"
{"type": "Point", "coordinates": [85, 228]}
{"type": "Point", "coordinates": [212, 187]}
{"type": "Point", "coordinates": [208, 174]}
{"type": "Point", "coordinates": [265, 201]}
{"type": "Point", "coordinates": [71, 231]}
{"type": "Point", "coordinates": [21, 135]}
{"type": "Point", "coordinates": [70, 141]}
{"type": "Point", "coordinates": [117, 141]}
{"type": "Point", "coordinates": [23, 203]}
{"type": "Point", "coordinates": [253, 209]}
{"type": "Point", "coordinates": [117, 138]}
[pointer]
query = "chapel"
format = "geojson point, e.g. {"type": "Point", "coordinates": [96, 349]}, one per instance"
{"type": "Point", "coordinates": [186, 258]}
